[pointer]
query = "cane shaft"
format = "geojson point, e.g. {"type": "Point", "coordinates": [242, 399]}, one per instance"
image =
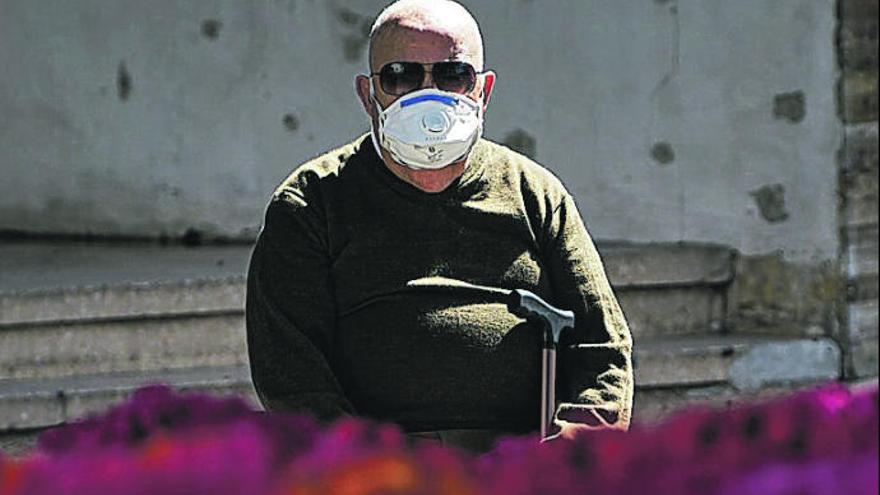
{"type": "Point", "coordinates": [548, 390]}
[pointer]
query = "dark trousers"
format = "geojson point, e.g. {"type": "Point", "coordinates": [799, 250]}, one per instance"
{"type": "Point", "coordinates": [473, 440]}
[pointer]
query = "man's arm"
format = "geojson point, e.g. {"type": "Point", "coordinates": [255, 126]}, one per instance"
{"type": "Point", "coordinates": [291, 313]}
{"type": "Point", "coordinates": [595, 378]}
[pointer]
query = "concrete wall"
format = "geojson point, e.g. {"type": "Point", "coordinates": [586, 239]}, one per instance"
{"type": "Point", "coordinates": [698, 120]}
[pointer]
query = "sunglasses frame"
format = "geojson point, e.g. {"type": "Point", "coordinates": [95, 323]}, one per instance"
{"type": "Point", "coordinates": [425, 69]}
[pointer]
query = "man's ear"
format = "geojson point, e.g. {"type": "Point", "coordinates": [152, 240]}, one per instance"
{"type": "Point", "coordinates": [488, 84]}
{"type": "Point", "coordinates": [362, 86]}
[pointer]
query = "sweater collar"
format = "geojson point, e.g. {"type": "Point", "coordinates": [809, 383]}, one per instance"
{"type": "Point", "coordinates": [464, 187]}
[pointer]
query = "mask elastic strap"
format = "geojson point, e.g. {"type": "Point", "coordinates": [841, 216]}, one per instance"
{"type": "Point", "coordinates": [373, 130]}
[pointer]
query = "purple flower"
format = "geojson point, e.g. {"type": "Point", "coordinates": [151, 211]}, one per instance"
{"type": "Point", "coordinates": [159, 441]}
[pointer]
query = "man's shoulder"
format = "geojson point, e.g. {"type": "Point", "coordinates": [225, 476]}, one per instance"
{"type": "Point", "coordinates": [307, 176]}
{"type": "Point", "coordinates": [509, 166]}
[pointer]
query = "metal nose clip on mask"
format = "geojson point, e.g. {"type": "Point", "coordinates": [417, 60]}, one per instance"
{"type": "Point", "coordinates": [429, 128]}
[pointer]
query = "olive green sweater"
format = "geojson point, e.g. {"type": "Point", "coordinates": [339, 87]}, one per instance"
{"type": "Point", "coordinates": [335, 327]}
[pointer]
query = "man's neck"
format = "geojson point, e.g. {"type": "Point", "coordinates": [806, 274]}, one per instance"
{"type": "Point", "coordinates": [429, 181]}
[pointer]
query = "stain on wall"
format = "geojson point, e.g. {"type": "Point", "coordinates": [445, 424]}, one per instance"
{"type": "Point", "coordinates": [211, 28]}
{"type": "Point", "coordinates": [348, 17]}
{"type": "Point", "coordinates": [123, 82]}
{"type": "Point", "coordinates": [192, 237]}
{"type": "Point", "coordinates": [771, 202]}
{"type": "Point", "coordinates": [791, 107]}
{"type": "Point", "coordinates": [291, 122]}
{"type": "Point", "coordinates": [522, 142]}
{"type": "Point", "coordinates": [663, 153]}
{"type": "Point", "coordinates": [356, 35]}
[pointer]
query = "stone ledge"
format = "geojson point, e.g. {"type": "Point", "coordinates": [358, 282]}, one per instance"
{"type": "Point", "coordinates": [864, 357]}
{"type": "Point", "coordinates": [863, 319]}
{"type": "Point", "coordinates": [666, 376]}
{"type": "Point", "coordinates": [664, 265]}
{"type": "Point", "coordinates": [124, 301]}
{"type": "Point", "coordinates": [653, 405]}
{"type": "Point", "coordinates": [117, 346]}
{"type": "Point", "coordinates": [26, 404]}
{"type": "Point", "coordinates": [31, 266]}
{"type": "Point", "coordinates": [673, 311]}
{"type": "Point", "coordinates": [862, 250]}
{"type": "Point", "coordinates": [18, 443]}
{"type": "Point", "coordinates": [54, 283]}
{"type": "Point", "coordinates": [743, 362]}
{"type": "Point", "coordinates": [144, 343]}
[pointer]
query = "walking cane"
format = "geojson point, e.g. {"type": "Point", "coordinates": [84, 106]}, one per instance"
{"type": "Point", "coordinates": [532, 308]}
{"type": "Point", "coordinates": [552, 321]}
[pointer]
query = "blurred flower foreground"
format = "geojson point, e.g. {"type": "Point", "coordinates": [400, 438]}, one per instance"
{"type": "Point", "coordinates": [824, 441]}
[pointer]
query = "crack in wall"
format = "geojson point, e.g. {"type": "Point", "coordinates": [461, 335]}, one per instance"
{"type": "Point", "coordinates": [675, 51]}
{"type": "Point", "coordinates": [660, 146]}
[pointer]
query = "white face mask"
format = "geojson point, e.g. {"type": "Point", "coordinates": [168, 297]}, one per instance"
{"type": "Point", "coordinates": [429, 128]}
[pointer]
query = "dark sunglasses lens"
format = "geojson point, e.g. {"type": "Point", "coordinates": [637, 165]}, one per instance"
{"type": "Point", "coordinates": [455, 77]}
{"type": "Point", "coordinates": [399, 78]}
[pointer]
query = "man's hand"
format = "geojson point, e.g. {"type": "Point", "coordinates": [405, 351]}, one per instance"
{"type": "Point", "coordinates": [588, 419]}
{"type": "Point", "coordinates": [566, 430]}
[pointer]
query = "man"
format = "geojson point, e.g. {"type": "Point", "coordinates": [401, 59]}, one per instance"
{"type": "Point", "coordinates": [360, 289]}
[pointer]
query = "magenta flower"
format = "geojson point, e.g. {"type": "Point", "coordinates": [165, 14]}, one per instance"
{"type": "Point", "coordinates": [158, 442]}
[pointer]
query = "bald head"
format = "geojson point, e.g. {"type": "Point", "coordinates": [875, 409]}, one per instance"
{"type": "Point", "coordinates": [444, 18]}
{"type": "Point", "coordinates": [425, 32]}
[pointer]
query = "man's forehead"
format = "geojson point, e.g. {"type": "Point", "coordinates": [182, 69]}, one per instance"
{"type": "Point", "coordinates": [425, 31]}
{"type": "Point", "coordinates": [422, 44]}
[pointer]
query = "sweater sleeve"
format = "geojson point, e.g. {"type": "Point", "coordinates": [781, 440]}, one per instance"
{"type": "Point", "coordinates": [290, 313]}
{"type": "Point", "coordinates": [594, 367]}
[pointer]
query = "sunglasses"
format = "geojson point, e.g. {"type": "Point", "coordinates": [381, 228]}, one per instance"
{"type": "Point", "coordinates": [400, 78]}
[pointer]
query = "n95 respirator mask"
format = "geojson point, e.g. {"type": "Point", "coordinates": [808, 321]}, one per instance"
{"type": "Point", "coordinates": [428, 129]}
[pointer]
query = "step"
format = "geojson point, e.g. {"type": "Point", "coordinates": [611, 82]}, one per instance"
{"type": "Point", "coordinates": [670, 289]}
{"type": "Point", "coordinates": [40, 266]}
{"type": "Point", "coordinates": [672, 311]}
{"type": "Point", "coordinates": [218, 339]}
{"type": "Point", "coordinates": [643, 266]}
{"type": "Point", "coordinates": [863, 331]}
{"type": "Point", "coordinates": [653, 405]}
{"type": "Point", "coordinates": [18, 443]}
{"type": "Point", "coordinates": [134, 300]}
{"type": "Point", "coordinates": [39, 403]}
{"type": "Point", "coordinates": [46, 283]}
{"type": "Point", "coordinates": [30, 265]}
{"type": "Point", "coordinates": [89, 308]}
{"type": "Point", "coordinates": [158, 343]}
{"type": "Point", "coordinates": [743, 362]}
{"type": "Point", "coordinates": [862, 250]}
{"type": "Point", "coordinates": [104, 346]}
